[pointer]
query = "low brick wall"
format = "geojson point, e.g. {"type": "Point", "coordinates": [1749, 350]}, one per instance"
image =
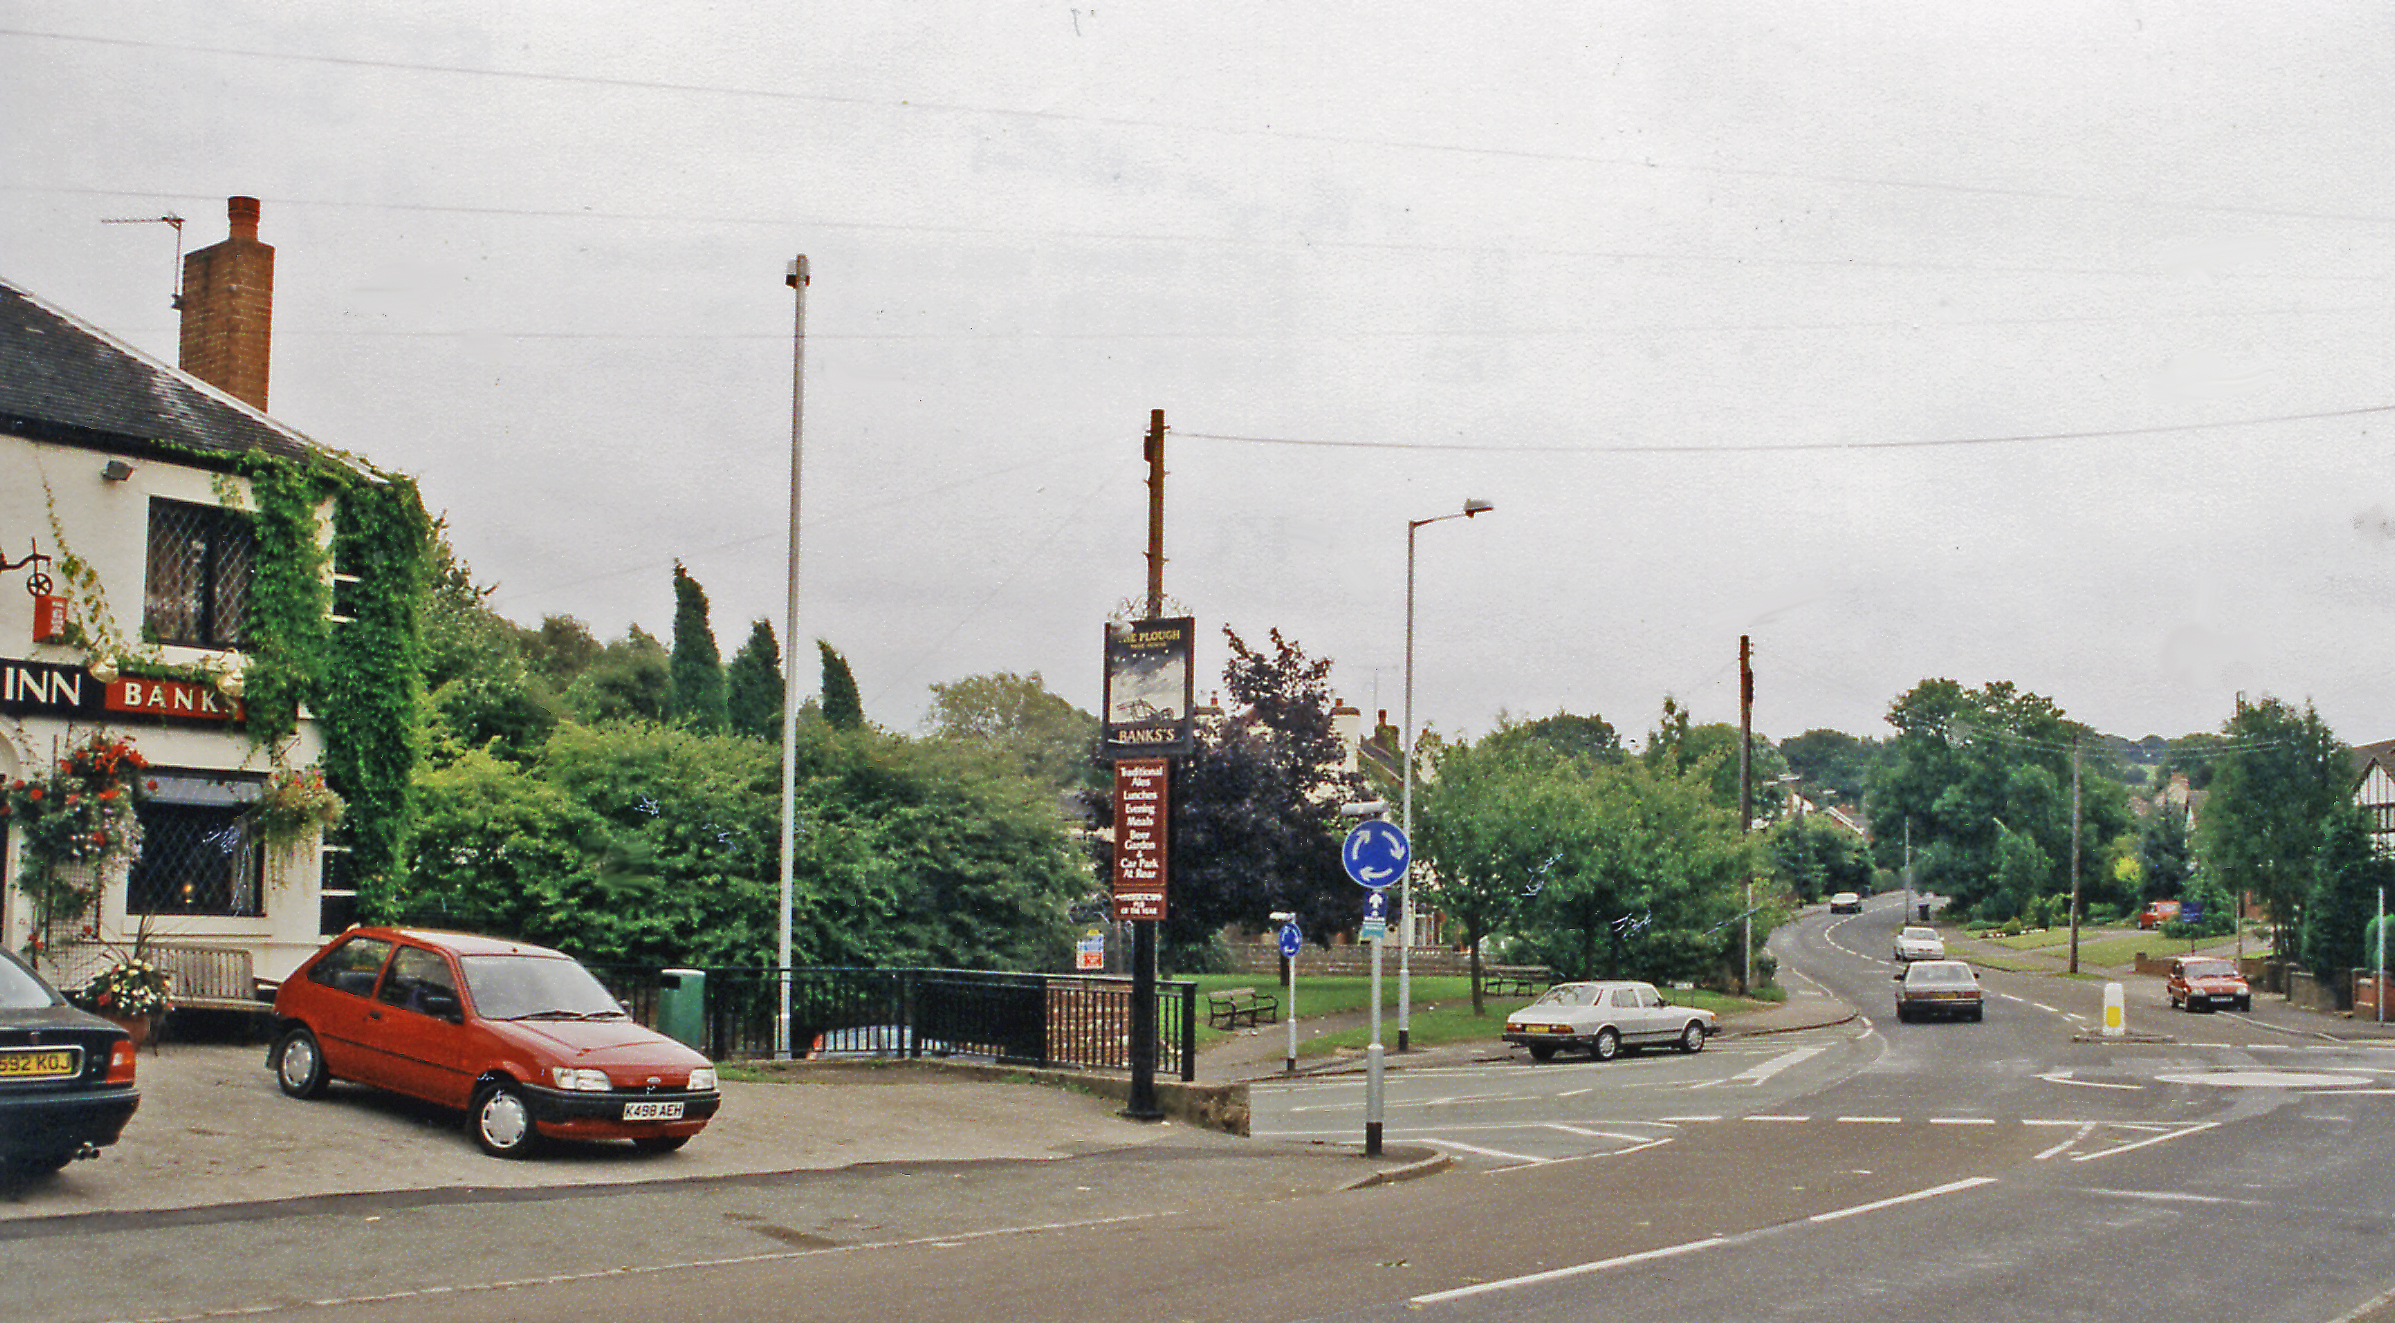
{"type": "Point", "coordinates": [1221, 1107]}
{"type": "Point", "coordinates": [1265, 958]}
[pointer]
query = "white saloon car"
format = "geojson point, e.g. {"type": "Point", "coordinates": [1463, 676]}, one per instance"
{"type": "Point", "coordinates": [1605, 1018]}
{"type": "Point", "coordinates": [1920, 944]}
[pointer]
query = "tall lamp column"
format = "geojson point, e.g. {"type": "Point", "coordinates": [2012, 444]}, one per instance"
{"type": "Point", "coordinates": [1405, 890]}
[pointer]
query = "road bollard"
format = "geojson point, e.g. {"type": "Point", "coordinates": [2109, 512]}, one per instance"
{"type": "Point", "coordinates": [2116, 1010]}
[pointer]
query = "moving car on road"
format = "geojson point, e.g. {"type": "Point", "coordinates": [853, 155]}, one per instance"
{"type": "Point", "coordinates": [2206, 982]}
{"type": "Point", "coordinates": [1605, 1018]}
{"type": "Point", "coordinates": [66, 1076]}
{"type": "Point", "coordinates": [1937, 987]}
{"type": "Point", "coordinates": [1846, 902]}
{"type": "Point", "coordinates": [521, 1037]}
{"type": "Point", "coordinates": [1920, 944]}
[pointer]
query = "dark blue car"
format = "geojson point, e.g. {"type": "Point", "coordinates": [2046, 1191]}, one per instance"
{"type": "Point", "coordinates": [66, 1076]}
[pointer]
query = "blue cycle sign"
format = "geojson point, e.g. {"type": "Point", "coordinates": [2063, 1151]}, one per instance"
{"type": "Point", "coordinates": [1376, 853]}
{"type": "Point", "coordinates": [1292, 939]}
{"type": "Point", "coordinates": [1376, 917]}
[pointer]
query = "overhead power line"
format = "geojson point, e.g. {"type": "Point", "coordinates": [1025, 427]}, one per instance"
{"type": "Point", "coordinates": [1222, 130]}
{"type": "Point", "coordinates": [1733, 448]}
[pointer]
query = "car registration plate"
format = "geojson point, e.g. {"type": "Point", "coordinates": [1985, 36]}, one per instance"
{"type": "Point", "coordinates": [653, 1111]}
{"type": "Point", "coordinates": [38, 1065]}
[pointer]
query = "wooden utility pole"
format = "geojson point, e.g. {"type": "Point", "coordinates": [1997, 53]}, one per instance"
{"type": "Point", "coordinates": [1155, 513]}
{"type": "Point", "coordinates": [1746, 807]}
{"type": "Point", "coordinates": [2074, 854]}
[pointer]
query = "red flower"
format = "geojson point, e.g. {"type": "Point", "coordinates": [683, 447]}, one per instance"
{"type": "Point", "coordinates": [153, 783]}
{"type": "Point", "coordinates": [35, 793]}
{"type": "Point", "coordinates": [108, 794]}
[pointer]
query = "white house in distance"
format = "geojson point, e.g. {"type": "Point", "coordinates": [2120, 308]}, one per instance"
{"type": "Point", "coordinates": [132, 545]}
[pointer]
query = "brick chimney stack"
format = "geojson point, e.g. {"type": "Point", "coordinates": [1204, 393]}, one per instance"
{"type": "Point", "coordinates": [228, 308]}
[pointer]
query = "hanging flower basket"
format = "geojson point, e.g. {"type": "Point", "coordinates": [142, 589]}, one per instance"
{"type": "Point", "coordinates": [74, 825]}
{"type": "Point", "coordinates": [295, 805]}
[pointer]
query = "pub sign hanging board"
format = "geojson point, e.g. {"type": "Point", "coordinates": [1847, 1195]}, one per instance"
{"type": "Point", "coordinates": [1151, 686]}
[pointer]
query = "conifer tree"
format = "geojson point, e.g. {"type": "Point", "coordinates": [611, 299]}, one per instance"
{"type": "Point", "coordinates": [753, 685]}
{"type": "Point", "coordinates": [842, 708]}
{"type": "Point", "coordinates": [697, 694]}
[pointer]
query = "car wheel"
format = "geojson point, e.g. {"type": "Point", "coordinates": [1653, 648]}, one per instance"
{"type": "Point", "coordinates": [503, 1122]}
{"type": "Point", "coordinates": [1608, 1045]}
{"type": "Point", "coordinates": [2245, 1003]}
{"type": "Point", "coordinates": [1978, 1013]}
{"type": "Point", "coordinates": [1904, 1014]}
{"type": "Point", "coordinates": [299, 1065]}
{"type": "Point", "coordinates": [659, 1143]}
{"type": "Point", "coordinates": [1542, 1051]}
{"type": "Point", "coordinates": [1692, 1038]}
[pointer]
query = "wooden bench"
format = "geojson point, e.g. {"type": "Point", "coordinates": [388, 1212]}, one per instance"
{"type": "Point", "coordinates": [210, 978]}
{"type": "Point", "coordinates": [1515, 980]}
{"type": "Point", "coordinates": [1228, 1008]}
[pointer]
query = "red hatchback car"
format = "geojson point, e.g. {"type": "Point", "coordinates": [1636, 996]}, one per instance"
{"type": "Point", "coordinates": [521, 1037]}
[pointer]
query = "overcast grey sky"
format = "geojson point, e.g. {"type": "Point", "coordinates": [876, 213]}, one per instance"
{"type": "Point", "coordinates": [2035, 342]}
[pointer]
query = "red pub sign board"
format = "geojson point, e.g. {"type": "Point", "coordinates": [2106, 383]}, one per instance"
{"type": "Point", "coordinates": [1139, 829]}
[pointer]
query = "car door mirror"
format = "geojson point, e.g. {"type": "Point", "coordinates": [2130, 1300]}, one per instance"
{"type": "Point", "coordinates": [1898, 976]}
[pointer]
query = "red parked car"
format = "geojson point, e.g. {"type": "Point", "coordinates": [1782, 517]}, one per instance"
{"type": "Point", "coordinates": [520, 1037]}
{"type": "Point", "coordinates": [2206, 981]}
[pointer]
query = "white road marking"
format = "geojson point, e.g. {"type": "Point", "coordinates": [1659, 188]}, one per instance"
{"type": "Point", "coordinates": [1761, 1116]}
{"type": "Point", "coordinates": [1690, 1247]}
{"type": "Point", "coordinates": [1872, 1120]}
{"type": "Point", "coordinates": [1486, 1152]}
{"type": "Point", "coordinates": [1952, 1187]}
{"type": "Point", "coordinates": [1558, 1274]}
{"type": "Point", "coordinates": [1599, 1134]}
{"type": "Point", "coordinates": [2158, 1139]}
{"type": "Point", "coordinates": [1962, 1120]}
{"type": "Point", "coordinates": [1686, 1120]}
{"type": "Point", "coordinates": [1777, 1064]}
{"type": "Point", "coordinates": [2064, 1077]}
{"type": "Point", "coordinates": [2076, 1136]}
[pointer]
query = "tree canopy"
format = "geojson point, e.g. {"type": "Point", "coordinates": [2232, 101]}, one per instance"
{"type": "Point", "coordinates": [2279, 776]}
{"type": "Point", "coordinates": [1984, 779]}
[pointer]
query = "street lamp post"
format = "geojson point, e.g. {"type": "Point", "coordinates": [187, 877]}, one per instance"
{"type": "Point", "coordinates": [1405, 890]}
{"type": "Point", "coordinates": [797, 278]}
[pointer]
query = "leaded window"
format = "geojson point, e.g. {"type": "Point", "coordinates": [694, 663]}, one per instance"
{"type": "Point", "coordinates": [201, 851]}
{"type": "Point", "coordinates": [199, 574]}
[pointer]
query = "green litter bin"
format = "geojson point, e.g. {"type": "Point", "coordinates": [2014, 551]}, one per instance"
{"type": "Point", "coordinates": [682, 1006]}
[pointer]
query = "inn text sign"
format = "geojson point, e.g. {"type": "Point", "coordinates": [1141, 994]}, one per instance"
{"type": "Point", "coordinates": [31, 688]}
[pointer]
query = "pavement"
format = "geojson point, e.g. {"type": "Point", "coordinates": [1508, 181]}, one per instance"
{"type": "Point", "coordinates": [216, 1138]}
{"type": "Point", "coordinates": [214, 1132]}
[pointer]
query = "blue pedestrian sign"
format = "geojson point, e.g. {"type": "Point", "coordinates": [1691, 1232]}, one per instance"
{"type": "Point", "coordinates": [2191, 911]}
{"type": "Point", "coordinates": [1376, 916]}
{"type": "Point", "coordinates": [1291, 939]}
{"type": "Point", "coordinates": [1376, 853]}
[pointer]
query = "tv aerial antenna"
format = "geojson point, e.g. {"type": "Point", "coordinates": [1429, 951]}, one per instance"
{"type": "Point", "coordinates": [169, 218]}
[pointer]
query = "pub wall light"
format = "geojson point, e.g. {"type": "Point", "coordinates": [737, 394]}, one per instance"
{"type": "Point", "coordinates": [117, 471]}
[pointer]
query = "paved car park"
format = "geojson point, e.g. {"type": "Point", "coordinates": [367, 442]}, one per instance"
{"type": "Point", "coordinates": [214, 1129]}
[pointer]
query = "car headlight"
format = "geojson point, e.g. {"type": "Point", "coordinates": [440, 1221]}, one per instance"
{"type": "Point", "coordinates": [584, 1081]}
{"type": "Point", "coordinates": [702, 1080]}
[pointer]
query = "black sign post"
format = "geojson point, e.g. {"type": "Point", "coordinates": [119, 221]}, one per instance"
{"type": "Point", "coordinates": [1150, 690]}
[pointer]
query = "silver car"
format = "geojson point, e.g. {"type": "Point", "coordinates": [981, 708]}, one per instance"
{"type": "Point", "coordinates": [1920, 944]}
{"type": "Point", "coordinates": [1605, 1018]}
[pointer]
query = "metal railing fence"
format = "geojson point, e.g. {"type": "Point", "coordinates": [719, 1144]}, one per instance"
{"type": "Point", "coordinates": [1053, 1020]}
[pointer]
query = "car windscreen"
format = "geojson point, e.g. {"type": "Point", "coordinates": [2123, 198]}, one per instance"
{"type": "Point", "coordinates": [1920, 934]}
{"type": "Point", "coordinates": [1938, 974]}
{"type": "Point", "coordinates": [2210, 969]}
{"type": "Point", "coordinates": [20, 990]}
{"type": "Point", "coordinates": [523, 987]}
